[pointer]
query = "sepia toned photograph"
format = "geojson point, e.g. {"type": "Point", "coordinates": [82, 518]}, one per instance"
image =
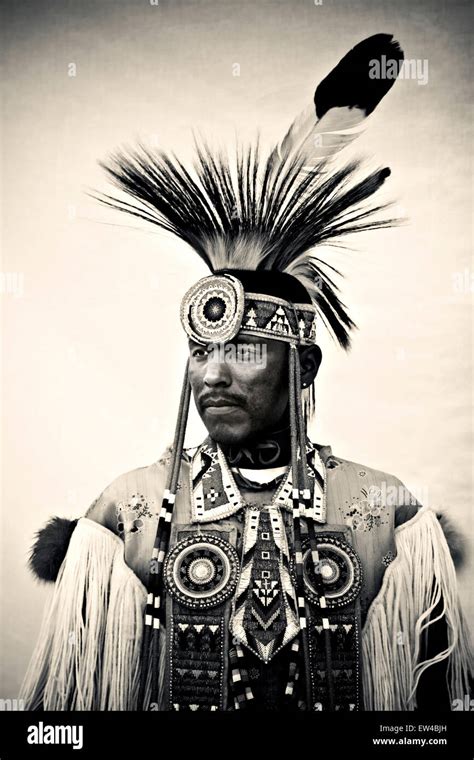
{"type": "Point", "coordinates": [236, 290]}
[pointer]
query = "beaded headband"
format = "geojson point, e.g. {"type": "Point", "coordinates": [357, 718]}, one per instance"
{"type": "Point", "coordinates": [217, 308]}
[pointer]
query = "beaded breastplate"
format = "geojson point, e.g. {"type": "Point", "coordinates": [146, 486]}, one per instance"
{"type": "Point", "coordinates": [231, 606]}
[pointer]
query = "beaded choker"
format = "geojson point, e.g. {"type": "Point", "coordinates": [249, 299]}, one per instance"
{"type": "Point", "coordinates": [272, 450]}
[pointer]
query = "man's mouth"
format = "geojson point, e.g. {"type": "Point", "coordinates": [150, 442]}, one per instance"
{"type": "Point", "coordinates": [219, 405]}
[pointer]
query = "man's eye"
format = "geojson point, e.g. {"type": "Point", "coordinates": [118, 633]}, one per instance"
{"type": "Point", "coordinates": [199, 352]}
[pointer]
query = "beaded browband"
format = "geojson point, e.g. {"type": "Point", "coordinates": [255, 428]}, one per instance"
{"type": "Point", "coordinates": [217, 308]}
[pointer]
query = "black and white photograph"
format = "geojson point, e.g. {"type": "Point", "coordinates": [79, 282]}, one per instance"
{"type": "Point", "coordinates": [237, 370]}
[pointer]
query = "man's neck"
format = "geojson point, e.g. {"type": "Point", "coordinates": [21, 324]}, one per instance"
{"type": "Point", "coordinates": [271, 449]}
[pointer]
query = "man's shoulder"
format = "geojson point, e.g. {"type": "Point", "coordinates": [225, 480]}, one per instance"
{"type": "Point", "coordinates": [140, 484]}
{"type": "Point", "coordinates": [136, 491]}
{"type": "Point", "coordinates": [378, 485]}
{"type": "Point", "coordinates": [152, 472]}
{"type": "Point", "coordinates": [333, 462]}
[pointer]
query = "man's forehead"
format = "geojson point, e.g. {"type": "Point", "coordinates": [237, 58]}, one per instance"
{"type": "Point", "coordinates": [254, 340]}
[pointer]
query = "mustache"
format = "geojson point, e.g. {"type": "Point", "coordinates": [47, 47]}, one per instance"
{"type": "Point", "coordinates": [220, 399]}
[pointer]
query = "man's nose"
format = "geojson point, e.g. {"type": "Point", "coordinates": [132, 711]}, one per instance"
{"type": "Point", "coordinates": [217, 374]}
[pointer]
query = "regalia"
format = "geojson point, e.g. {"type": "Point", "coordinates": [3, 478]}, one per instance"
{"type": "Point", "coordinates": [178, 591]}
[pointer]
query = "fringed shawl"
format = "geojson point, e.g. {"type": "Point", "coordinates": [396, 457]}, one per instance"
{"type": "Point", "coordinates": [88, 653]}
{"type": "Point", "coordinates": [421, 576]}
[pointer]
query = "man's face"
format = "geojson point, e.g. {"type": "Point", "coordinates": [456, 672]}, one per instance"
{"type": "Point", "coordinates": [240, 388]}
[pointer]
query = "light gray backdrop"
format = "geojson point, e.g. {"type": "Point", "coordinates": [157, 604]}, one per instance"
{"type": "Point", "coordinates": [92, 348]}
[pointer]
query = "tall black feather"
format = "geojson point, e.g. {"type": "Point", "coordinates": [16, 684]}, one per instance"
{"type": "Point", "coordinates": [350, 83]}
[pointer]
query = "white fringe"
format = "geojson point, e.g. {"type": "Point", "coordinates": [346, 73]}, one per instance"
{"type": "Point", "coordinates": [421, 574]}
{"type": "Point", "coordinates": [88, 653]}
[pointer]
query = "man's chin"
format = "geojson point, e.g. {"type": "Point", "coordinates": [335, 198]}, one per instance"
{"type": "Point", "coordinates": [226, 431]}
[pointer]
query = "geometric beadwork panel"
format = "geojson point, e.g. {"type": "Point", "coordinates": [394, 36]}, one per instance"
{"type": "Point", "coordinates": [343, 641]}
{"type": "Point", "coordinates": [196, 654]}
{"type": "Point", "coordinates": [264, 607]}
{"type": "Point", "coordinates": [215, 494]}
{"type": "Point", "coordinates": [268, 316]}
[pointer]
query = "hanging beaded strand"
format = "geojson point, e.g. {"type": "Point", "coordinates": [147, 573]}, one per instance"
{"type": "Point", "coordinates": [154, 612]}
{"type": "Point", "coordinates": [297, 510]}
{"type": "Point", "coordinates": [305, 498]}
{"type": "Point", "coordinates": [242, 691]}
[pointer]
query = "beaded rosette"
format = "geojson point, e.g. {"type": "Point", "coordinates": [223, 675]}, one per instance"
{"type": "Point", "coordinates": [201, 571]}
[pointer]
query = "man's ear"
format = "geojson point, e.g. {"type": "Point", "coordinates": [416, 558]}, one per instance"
{"type": "Point", "coordinates": [310, 360]}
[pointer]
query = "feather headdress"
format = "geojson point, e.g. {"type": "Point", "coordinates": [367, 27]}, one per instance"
{"type": "Point", "coordinates": [270, 213]}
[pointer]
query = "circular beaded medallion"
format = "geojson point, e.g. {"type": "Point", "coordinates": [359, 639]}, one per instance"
{"type": "Point", "coordinates": [212, 309]}
{"type": "Point", "coordinates": [340, 570]}
{"type": "Point", "coordinates": [201, 571]}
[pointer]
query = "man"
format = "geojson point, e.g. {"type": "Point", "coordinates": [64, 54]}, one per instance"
{"type": "Point", "coordinates": [259, 571]}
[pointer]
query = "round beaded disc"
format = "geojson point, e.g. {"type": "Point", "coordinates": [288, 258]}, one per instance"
{"type": "Point", "coordinates": [340, 570]}
{"type": "Point", "coordinates": [201, 571]}
{"type": "Point", "coordinates": [212, 309]}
